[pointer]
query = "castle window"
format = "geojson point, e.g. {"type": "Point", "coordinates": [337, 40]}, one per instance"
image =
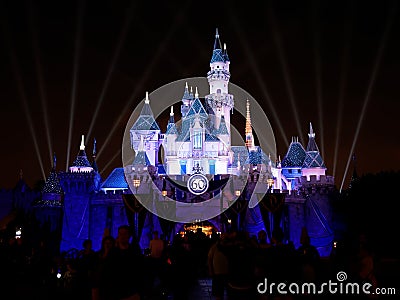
{"type": "Point", "coordinates": [197, 140]}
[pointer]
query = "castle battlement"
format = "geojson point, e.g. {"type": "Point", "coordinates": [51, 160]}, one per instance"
{"type": "Point", "coordinates": [77, 175]}
{"type": "Point", "coordinates": [315, 179]}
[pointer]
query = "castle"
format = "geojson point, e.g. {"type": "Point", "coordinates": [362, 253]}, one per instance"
{"type": "Point", "coordinates": [292, 193]}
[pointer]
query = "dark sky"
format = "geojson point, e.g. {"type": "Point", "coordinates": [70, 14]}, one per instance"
{"type": "Point", "coordinates": [334, 63]}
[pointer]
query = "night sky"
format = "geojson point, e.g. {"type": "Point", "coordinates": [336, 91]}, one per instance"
{"type": "Point", "coordinates": [333, 63]}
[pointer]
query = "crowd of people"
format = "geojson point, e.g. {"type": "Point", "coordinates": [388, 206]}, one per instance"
{"type": "Point", "coordinates": [120, 270]}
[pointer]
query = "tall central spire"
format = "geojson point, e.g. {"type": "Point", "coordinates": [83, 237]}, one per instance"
{"type": "Point", "coordinates": [217, 43]}
{"type": "Point", "coordinates": [311, 146]}
{"type": "Point", "coordinates": [249, 130]}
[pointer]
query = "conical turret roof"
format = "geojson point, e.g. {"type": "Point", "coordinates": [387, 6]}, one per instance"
{"type": "Point", "coordinates": [52, 184]}
{"type": "Point", "coordinates": [218, 54]}
{"type": "Point", "coordinates": [295, 155]}
{"type": "Point", "coordinates": [313, 157]}
{"type": "Point", "coordinates": [81, 159]}
{"type": "Point", "coordinates": [141, 156]}
{"type": "Point", "coordinates": [146, 119]}
{"type": "Point", "coordinates": [222, 130]}
{"type": "Point", "coordinates": [171, 127]}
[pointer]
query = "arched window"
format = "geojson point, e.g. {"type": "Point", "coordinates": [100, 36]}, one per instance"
{"type": "Point", "coordinates": [161, 154]}
{"type": "Point", "coordinates": [197, 140]}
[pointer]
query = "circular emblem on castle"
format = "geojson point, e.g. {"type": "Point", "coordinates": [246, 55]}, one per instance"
{"type": "Point", "coordinates": [197, 184]}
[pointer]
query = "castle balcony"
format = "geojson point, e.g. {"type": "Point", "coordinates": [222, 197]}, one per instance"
{"type": "Point", "coordinates": [219, 100]}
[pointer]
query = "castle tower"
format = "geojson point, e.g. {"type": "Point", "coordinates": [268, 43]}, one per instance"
{"type": "Point", "coordinates": [186, 99]}
{"type": "Point", "coordinates": [52, 192]}
{"type": "Point", "coordinates": [146, 127]}
{"type": "Point", "coordinates": [81, 163]}
{"type": "Point", "coordinates": [49, 209]}
{"type": "Point", "coordinates": [171, 134]}
{"type": "Point", "coordinates": [170, 146]}
{"type": "Point", "coordinates": [79, 184]}
{"type": "Point", "coordinates": [218, 77]}
{"type": "Point", "coordinates": [223, 134]}
{"type": "Point", "coordinates": [313, 163]}
{"type": "Point", "coordinates": [141, 160]}
{"type": "Point", "coordinates": [318, 190]}
{"type": "Point", "coordinates": [292, 162]}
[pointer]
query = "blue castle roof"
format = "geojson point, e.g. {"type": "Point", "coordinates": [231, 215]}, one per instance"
{"type": "Point", "coordinates": [52, 184]}
{"type": "Point", "coordinates": [197, 108]}
{"type": "Point", "coordinates": [116, 180]}
{"type": "Point", "coordinates": [185, 131]}
{"type": "Point", "coordinates": [217, 56]}
{"type": "Point", "coordinates": [240, 153]}
{"type": "Point", "coordinates": [141, 159]}
{"type": "Point", "coordinates": [226, 57]}
{"type": "Point", "coordinates": [257, 157]}
{"type": "Point", "coordinates": [146, 119]}
{"type": "Point", "coordinates": [313, 160]}
{"type": "Point", "coordinates": [81, 160]}
{"type": "Point", "coordinates": [211, 138]}
{"type": "Point", "coordinates": [223, 130]}
{"type": "Point", "coordinates": [171, 127]}
{"type": "Point", "coordinates": [295, 155]}
{"type": "Point", "coordinates": [313, 157]}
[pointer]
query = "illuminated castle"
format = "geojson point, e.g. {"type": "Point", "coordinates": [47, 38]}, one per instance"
{"type": "Point", "coordinates": [204, 135]}
{"type": "Point", "coordinates": [84, 205]}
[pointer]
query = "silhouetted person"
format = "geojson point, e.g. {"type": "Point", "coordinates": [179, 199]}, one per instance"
{"type": "Point", "coordinates": [124, 271]}
{"type": "Point", "coordinates": [281, 258]}
{"type": "Point", "coordinates": [200, 249]}
{"type": "Point", "coordinates": [156, 246]}
{"type": "Point", "coordinates": [261, 262]}
{"type": "Point", "coordinates": [102, 255]}
{"type": "Point", "coordinates": [183, 267]}
{"type": "Point", "coordinates": [86, 262]}
{"type": "Point", "coordinates": [309, 258]}
{"type": "Point", "coordinates": [262, 239]}
{"type": "Point", "coordinates": [156, 260]}
{"type": "Point", "coordinates": [218, 268]}
{"type": "Point", "coordinates": [364, 265]}
{"type": "Point", "coordinates": [240, 251]}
